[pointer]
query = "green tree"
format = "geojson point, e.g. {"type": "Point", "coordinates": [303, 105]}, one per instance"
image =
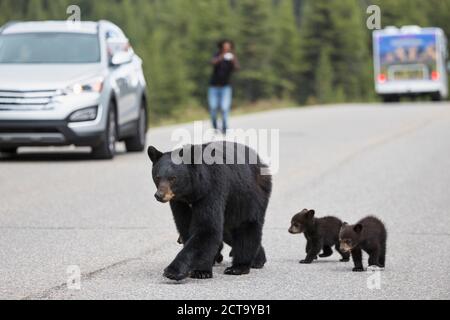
{"type": "Point", "coordinates": [255, 48]}
{"type": "Point", "coordinates": [286, 57]}
{"type": "Point", "coordinates": [35, 10]}
{"type": "Point", "coordinates": [339, 25]}
{"type": "Point", "coordinates": [324, 77]}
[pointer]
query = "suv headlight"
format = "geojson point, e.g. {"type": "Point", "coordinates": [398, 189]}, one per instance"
{"type": "Point", "coordinates": [86, 114]}
{"type": "Point", "coordinates": [93, 85]}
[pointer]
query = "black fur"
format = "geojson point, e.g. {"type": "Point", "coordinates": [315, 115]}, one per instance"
{"type": "Point", "coordinates": [211, 204]}
{"type": "Point", "coordinates": [320, 234]}
{"type": "Point", "coordinates": [369, 235]}
{"type": "Point", "coordinates": [219, 256]}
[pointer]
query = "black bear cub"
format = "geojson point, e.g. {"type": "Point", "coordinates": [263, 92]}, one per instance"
{"type": "Point", "coordinates": [320, 234]}
{"type": "Point", "coordinates": [369, 235]}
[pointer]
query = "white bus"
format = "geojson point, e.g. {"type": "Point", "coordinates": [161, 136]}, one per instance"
{"type": "Point", "coordinates": [410, 61]}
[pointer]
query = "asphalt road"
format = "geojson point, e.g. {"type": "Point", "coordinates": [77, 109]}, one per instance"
{"type": "Point", "coordinates": [59, 209]}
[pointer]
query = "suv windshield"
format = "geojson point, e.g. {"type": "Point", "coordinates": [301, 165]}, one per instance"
{"type": "Point", "coordinates": [49, 48]}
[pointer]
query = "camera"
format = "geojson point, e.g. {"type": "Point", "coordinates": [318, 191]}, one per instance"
{"type": "Point", "coordinates": [228, 56]}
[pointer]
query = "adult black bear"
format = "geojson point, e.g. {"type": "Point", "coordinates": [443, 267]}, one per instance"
{"type": "Point", "coordinates": [224, 200]}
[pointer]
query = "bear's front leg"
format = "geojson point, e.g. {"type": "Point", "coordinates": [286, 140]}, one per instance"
{"type": "Point", "coordinates": [196, 259]}
{"type": "Point", "coordinates": [182, 214]}
{"type": "Point", "coordinates": [177, 271]}
{"type": "Point", "coordinates": [314, 249]}
{"type": "Point", "coordinates": [357, 260]}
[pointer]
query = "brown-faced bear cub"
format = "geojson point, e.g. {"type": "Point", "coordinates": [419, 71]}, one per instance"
{"type": "Point", "coordinates": [369, 235]}
{"type": "Point", "coordinates": [320, 233]}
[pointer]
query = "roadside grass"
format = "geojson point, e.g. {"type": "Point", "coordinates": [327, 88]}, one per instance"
{"type": "Point", "coordinates": [194, 112]}
{"type": "Point", "coordinates": [198, 113]}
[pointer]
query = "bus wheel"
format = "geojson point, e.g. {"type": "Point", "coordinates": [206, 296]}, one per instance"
{"type": "Point", "coordinates": [391, 98]}
{"type": "Point", "coordinates": [436, 96]}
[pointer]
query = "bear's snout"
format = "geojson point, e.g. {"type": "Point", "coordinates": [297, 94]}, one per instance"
{"type": "Point", "coordinates": [164, 193]}
{"type": "Point", "coordinates": [159, 196]}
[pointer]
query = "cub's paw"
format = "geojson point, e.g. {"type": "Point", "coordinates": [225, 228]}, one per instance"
{"type": "Point", "coordinates": [237, 270]}
{"type": "Point", "coordinates": [325, 255]}
{"type": "Point", "coordinates": [305, 261]}
{"type": "Point", "coordinates": [375, 268]}
{"type": "Point", "coordinates": [345, 260]}
{"type": "Point", "coordinates": [174, 274]}
{"type": "Point", "coordinates": [358, 269]}
{"type": "Point", "coordinates": [201, 274]}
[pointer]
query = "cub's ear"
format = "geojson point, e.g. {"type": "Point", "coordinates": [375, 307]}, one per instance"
{"type": "Point", "coordinates": [154, 154]}
{"type": "Point", "coordinates": [311, 213]}
{"type": "Point", "coordinates": [358, 228]}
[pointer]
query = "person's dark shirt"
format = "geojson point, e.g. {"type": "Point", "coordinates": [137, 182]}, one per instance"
{"type": "Point", "coordinates": [222, 73]}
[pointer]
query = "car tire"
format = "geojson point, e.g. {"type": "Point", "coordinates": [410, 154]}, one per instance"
{"type": "Point", "coordinates": [137, 142]}
{"type": "Point", "coordinates": [8, 151]}
{"type": "Point", "coordinates": [107, 149]}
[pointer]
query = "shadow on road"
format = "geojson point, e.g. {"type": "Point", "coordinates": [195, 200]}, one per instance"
{"type": "Point", "coordinates": [52, 156]}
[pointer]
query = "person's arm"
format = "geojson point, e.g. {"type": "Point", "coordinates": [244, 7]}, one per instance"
{"type": "Point", "coordinates": [217, 59]}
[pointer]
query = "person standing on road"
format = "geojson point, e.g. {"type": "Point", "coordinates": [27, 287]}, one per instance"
{"type": "Point", "coordinates": [220, 93]}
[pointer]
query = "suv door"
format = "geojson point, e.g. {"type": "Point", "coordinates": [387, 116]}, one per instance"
{"type": "Point", "coordinates": [123, 76]}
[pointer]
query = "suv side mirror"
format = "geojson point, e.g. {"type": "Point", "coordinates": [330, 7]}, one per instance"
{"type": "Point", "coordinates": [120, 51]}
{"type": "Point", "coordinates": [121, 57]}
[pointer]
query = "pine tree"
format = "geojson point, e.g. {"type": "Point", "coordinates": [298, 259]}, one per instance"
{"type": "Point", "coordinates": [213, 22]}
{"type": "Point", "coordinates": [286, 58]}
{"type": "Point", "coordinates": [340, 25]}
{"type": "Point", "coordinates": [255, 49]}
{"type": "Point", "coordinates": [35, 10]}
{"type": "Point", "coordinates": [324, 77]}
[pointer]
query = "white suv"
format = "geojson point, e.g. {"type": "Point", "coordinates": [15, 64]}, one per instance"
{"type": "Point", "coordinates": [65, 83]}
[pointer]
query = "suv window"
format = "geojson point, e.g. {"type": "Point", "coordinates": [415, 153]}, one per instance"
{"type": "Point", "coordinates": [49, 48]}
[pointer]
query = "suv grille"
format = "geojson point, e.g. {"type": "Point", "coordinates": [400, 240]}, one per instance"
{"type": "Point", "coordinates": [26, 100]}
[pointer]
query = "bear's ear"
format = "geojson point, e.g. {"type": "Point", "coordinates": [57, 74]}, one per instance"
{"type": "Point", "coordinates": [311, 213]}
{"type": "Point", "coordinates": [154, 154]}
{"type": "Point", "coordinates": [358, 228]}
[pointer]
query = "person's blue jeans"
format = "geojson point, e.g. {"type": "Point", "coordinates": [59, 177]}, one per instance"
{"type": "Point", "coordinates": [220, 98]}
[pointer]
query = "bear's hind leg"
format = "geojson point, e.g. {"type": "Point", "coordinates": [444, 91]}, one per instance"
{"type": "Point", "coordinates": [219, 256]}
{"type": "Point", "coordinates": [246, 243]}
{"type": "Point", "coordinates": [327, 251]}
{"type": "Point", "coordinates": [382, 258]}
{"type": "Point", "coordinates": [260, 259]}
{"type": "Point", "coordinates": [374, 256]}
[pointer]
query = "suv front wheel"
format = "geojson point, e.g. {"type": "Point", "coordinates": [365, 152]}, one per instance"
{"type": "Point", "coordinates": [107, 149]}
{"type": "Point", "coordinates": [8, 151]}
{"type": "Point", "coordinates": [137, 142]}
